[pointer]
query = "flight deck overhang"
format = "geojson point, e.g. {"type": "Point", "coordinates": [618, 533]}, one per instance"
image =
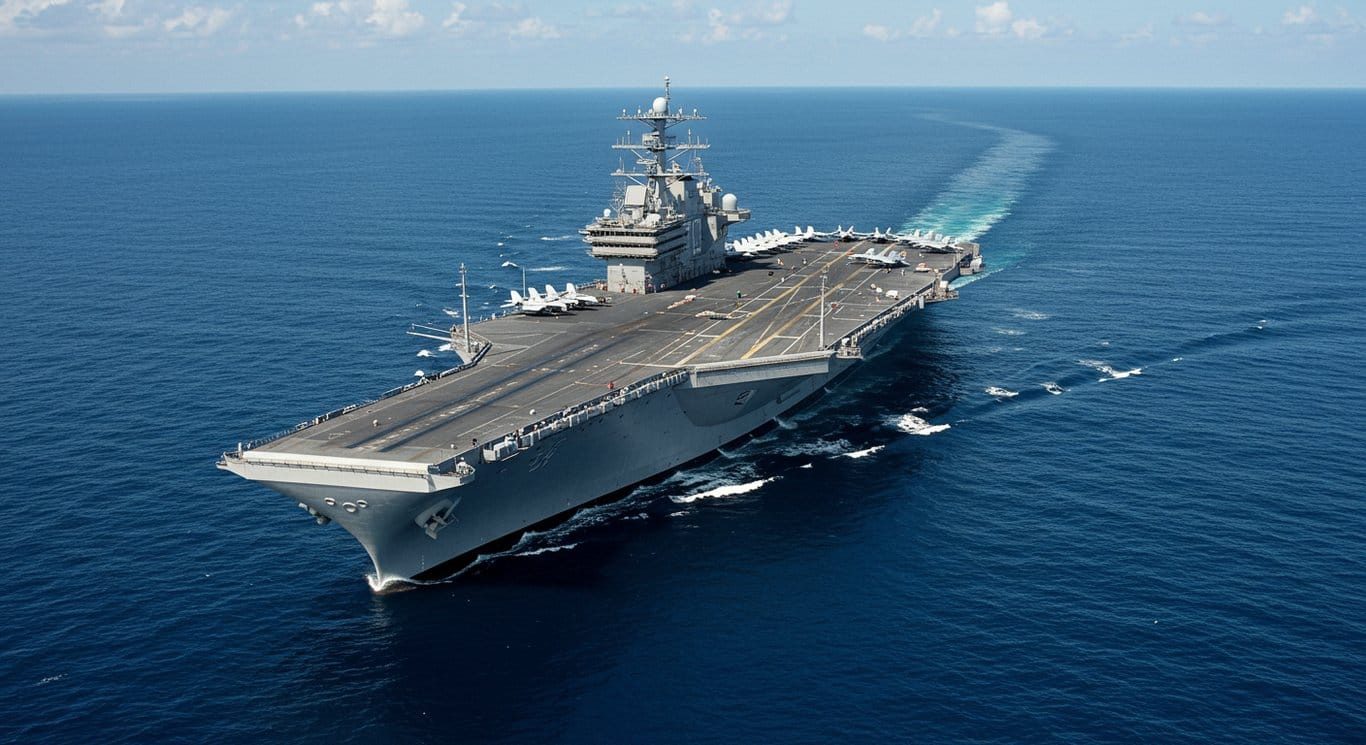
{"type": "Point", "coordinates": [760, 368]}
{"type": "Point", "coordinates": [360, 473]}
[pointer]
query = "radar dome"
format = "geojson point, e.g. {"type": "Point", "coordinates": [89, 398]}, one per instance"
{"type": "Point", "coordinates": [729, 202]}
{"type": "Point", "coordinates": [661, 106]}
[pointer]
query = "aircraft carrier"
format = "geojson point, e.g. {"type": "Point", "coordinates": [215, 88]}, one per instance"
{"type": "Point", "coordinates": [687, 344]}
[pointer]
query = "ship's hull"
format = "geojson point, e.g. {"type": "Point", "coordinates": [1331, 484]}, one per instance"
{"type": "Point", "coordinates": [561, 472]}
{"type": "Point", "coordinates": [629, 444]}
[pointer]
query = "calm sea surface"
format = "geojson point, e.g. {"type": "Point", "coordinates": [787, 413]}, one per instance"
{"type": "Point", "coordinates": [1138, 516]}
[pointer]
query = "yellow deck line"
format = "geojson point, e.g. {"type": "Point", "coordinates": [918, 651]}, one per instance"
{"type": "Point", "coordinates": [764, 342]}
{"type": "Point", "coordinates": [767, 305]}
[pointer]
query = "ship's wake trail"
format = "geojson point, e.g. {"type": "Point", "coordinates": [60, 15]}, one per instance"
{"type": "Point", "coordinates": [983, 194]}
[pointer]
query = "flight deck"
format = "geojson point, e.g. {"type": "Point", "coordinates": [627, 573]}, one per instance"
{"type": "Point", "coordinates": [536, 366]}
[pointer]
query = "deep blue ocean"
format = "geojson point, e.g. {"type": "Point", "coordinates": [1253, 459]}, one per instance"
{"type": "Point", "coordinates": [1151, 529]}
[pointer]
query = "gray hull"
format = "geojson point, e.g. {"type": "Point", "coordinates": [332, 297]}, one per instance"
{"type": "Point", "coordinates": [564, 470]}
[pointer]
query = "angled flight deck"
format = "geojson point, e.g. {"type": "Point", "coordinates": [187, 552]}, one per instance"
{"type": "Point", "coordinates": [538, 365]}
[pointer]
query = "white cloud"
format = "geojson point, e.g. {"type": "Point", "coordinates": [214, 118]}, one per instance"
{"type": "Point", "coordinates": [624, 10]}
{"type": "Point", "coordinates": [1299, 16]}
{"type": "Point", "coordinates": [454, 21]}
{"type": "Point", "coordinates": [533, 28]}
{"type": "Point", "coordinates": [1146, 32]}
{"type": "Point", "coordinates": [646, 11]}
{"type": "Point", "coordinates": [925, 25]}
{"type": "Point", "coordinates": [1028, 28]}
{"type": "Point", "coordinates": [718, 28]}
{"type": "Point", "coordinates": [1323, 30]}
{"type": "Point", "coordinates": [393, 18]}
{"type": "Point", "coordinates": [108, 8]}
{"type": "Point", "coordinates": [997, 19]}
{"type": "Point", "coordinates": [749, 23]}
{"type": "Point", "coordinates": [12, 10]}
{"type": "Point", "coordinates": [1201, 18]}
{"type": "Point", "coordinates": [1202, 28]}
{"type": "Point", "coordinates": [993, 19]}
{"type": "Point", "coordinates": [115, 27]}
{"type": "Point", "coordinates": [880, 33]}
{"type": "Point", "coordinates": [198, 20]}
{"type": "Point", "coordinates": [922, 27]}
{"type": "Point", "coordinates": [326, 13]}
{"type": "Point", "coordinates": [1345, 20]}
{"type": "Point", "coordinates": [775, 13]}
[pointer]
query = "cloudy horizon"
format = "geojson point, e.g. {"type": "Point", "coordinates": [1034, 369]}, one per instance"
{"type": "Point", "coordinates": [146, 46]}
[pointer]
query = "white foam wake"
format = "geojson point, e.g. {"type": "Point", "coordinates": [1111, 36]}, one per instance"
{"type": "Point", "coordinates": [556, 237]}
{"type": "Point", "coordinates": [382, 586]}
{"type": "Point", "coordinates": [982, 194]}
{"type": "Point", "coordinates": [864, 453]}
{"type": "Point", "coordinates": [818, 447]}
{"type": "Point", "coordinates": [547, 549]}
{"type": "Point", "coordinates": [914, 425]}
{"type": "Point", "coordinates": [962, 281]}
{"type": "Point", "coordinates": [1110, 373]}
{"type": "Point", "coordinates": [546, 269]}
{"type": "Point", "coordinates": [1001, 392]}
{"type": "Point", "coordinates": [588, 516]}
{"type": "Point", "coordinates": [722, 491]}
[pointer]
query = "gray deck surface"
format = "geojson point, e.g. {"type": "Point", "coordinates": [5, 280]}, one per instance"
{"type": "Point", "coordinates": [547, 363]}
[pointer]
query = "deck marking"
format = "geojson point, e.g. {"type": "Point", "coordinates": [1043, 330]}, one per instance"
{"type": "Point", "coordinates": [811, 306]}
{"type": "Point", "coordinates": [767, 305]}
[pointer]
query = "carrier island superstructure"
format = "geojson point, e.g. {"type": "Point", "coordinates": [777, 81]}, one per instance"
{"type": "Point", "coordinates": [572, 399]}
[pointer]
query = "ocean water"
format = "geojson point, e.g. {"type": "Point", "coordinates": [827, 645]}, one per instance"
{"type": "Point", "coordinates": [1112, 493]}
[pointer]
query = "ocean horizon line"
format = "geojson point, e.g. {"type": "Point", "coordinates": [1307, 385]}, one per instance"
{"type": "Point", "coordinates": [700, 87]}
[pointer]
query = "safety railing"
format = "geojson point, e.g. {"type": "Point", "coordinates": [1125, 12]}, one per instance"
{"type": "Point", "coordinates": [855, 338]}
{"type": "Point", "coordinates": [527, 436]}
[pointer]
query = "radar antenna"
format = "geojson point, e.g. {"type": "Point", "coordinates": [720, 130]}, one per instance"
{"type": "Point", "coordinates": [657, 152]}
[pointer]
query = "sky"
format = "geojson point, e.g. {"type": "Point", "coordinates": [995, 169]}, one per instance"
{"type": "Point", "coordinates": [154, 46]}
